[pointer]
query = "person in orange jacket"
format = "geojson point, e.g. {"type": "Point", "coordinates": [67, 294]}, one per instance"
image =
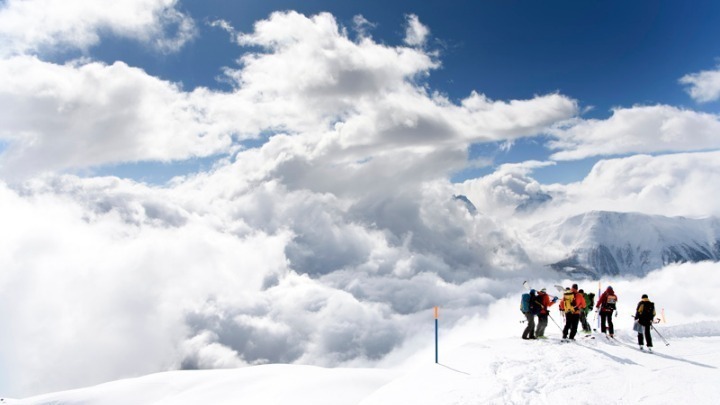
{"type": "Point", "coordinates": [545, 304]}
{"type": "Point", "coordinates": [572, 303]}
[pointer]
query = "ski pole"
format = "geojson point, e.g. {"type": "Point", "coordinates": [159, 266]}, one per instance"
{"type": "Point", "coordinates": [661, 336]}
{"type": "Point", "coordinates": [553, 319]}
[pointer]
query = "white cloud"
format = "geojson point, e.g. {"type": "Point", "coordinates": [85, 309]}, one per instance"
{"type": "Point", "coordinates": [684, 184]}
{"type": "Point", "coordinates": [507, 192]}
{"type": "Point", "coordinates": [641, 129]}
{"type": "Point", "coordinates": [703, 86]}
{"type": "Point", "coordinates": [343, 101]}
{"type": "Point", "coordinates": [361, 25]}
{"type": "Point", "coordinates": [31, 26]}
{"type": "Point", "coordinates": [75, 116]}
{"type": "Point", "coordinates": [415, 32]}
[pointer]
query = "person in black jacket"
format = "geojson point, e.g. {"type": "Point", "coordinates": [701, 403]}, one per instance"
{"type": "Point", "coordinates": [644, 315]}
{"type": "Point", "coordinates": [534, 310]}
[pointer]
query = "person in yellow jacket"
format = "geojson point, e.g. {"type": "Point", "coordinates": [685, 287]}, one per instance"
{"type": "Point", "coordinates": [572, 303]}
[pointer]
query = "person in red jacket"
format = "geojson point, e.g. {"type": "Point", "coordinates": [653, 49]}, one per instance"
{"type": "Point", "coordinates": [545, 304]}
{"type": "Point", "coordinates": [573, 302]}
{"type": "Point", "coordinates": [607, 305]}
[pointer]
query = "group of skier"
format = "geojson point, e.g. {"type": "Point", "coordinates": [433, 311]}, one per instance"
{"type": "Point", "coordinates": [575, 305]}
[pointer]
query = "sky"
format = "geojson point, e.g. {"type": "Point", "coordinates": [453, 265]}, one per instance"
{"type": "Point", "coordinates": [194, 185]}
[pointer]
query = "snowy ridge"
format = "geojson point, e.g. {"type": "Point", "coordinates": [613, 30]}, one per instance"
{"type": "Point", "coordinates": [613, 243]}
{"type": "Point", "coordinates": [482, 361]}
{"type": "Point", "coordinates": [495, 371]}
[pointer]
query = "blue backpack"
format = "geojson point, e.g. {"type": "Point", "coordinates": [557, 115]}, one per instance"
{"type": "Point", "coordinates": [525, 303]}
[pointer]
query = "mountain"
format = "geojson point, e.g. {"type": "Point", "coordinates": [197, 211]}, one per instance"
{"type": "Point", "coordinates": [602, 243]}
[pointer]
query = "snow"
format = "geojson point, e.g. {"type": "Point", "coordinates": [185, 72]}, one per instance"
{"type": "Point", "coordinates": [502, 371]}
{"type": "Point", "coordinates": [483, 361]}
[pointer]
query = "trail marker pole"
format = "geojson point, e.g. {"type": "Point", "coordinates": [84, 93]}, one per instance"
{"type": "Point", "coordinates": [598, 297]}
{"type": "Point", "coordinates": [436, 333]}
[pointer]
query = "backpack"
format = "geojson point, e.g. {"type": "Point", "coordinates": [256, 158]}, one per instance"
{"type": "Point", "coordinates": [647, 312]}
{"type": "Point", "coordinates": [590, 300]}
{"type": "Point", "coordinates": [610, 302]}
{"type": "Point", "coordinates": [535, 304]}
{"type": "Point", "coordinates": [569, 302]}
{"type": "Point", "coordinates": [525, 303]}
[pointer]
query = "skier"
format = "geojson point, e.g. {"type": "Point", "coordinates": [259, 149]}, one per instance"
{"type": "Point", "coordinates": [545, 304]}
{"type": "Point", "coordinates": [572, 303]}
{"type": "Point", "coordinates": [606, 305]}
{"type": "Point", "coordinates": [529, 307]}
{"type": "Point", "coordinates": [644, 315]}
{"type": "Point", "coordinates": [584, 313]}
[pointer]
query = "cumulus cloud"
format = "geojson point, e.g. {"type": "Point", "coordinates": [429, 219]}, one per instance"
{"type": "Point", "coordinates": [508, 191]}
{"type": "Point", "coordinates": [703, 86]}
{"type": "Point", "coordinates": [415, 32]}
{"type": "Point", "coordinates": [349, 101]}
{"type": "Point", "coordinates": [230, 274]}
{"type": "Point", "coordinates": [75, 116]}
{"type": "Point", "coordinates": [640, 129]}
{"type": "Point", "coordinates": [682, 184]}
{"type": "Point", "coordinates": [49, 25]}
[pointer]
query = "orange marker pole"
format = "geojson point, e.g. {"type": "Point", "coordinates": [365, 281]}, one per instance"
{"type": "Point", "coordinates": [437, 315]}
{"type": "Point", "coordinates": [663, 314]}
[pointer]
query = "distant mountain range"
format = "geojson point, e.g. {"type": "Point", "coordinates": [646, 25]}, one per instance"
{"type": "Point", "coordinates": [613, 243]}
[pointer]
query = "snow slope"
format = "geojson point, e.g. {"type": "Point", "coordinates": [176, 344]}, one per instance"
{"type": "Point", "coordinates": [494, 371]}
{"type": "Point", "coordinates": [484, 361]}
{"type": "Point", "coordinates": [601, 243]}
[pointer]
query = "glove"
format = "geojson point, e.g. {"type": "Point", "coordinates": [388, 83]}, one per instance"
{"type": "Point", "coordinates": [554, 299]}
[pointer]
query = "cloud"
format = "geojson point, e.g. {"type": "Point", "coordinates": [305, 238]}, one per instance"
{"type": "Point", "coordinates": [338, 101]}
{"type": "Point", "coordinates": [415, 32]}
{"type": "Point", "coordinates": [508, 191]}
{"type": "Point", "coordinates": [89, 114]}
{"type": "Point", "coordinates": [704, 86]}
{"type": "Point", "coordinates": [640, 129]}
{"type": "Point", "coordinates": [47, 25]}
{"type": "Point", "coordinates": [682, 184]}
{"type": "Point", "coordinates": [361, 25]}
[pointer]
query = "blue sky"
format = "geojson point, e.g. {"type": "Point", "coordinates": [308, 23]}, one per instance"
{"type": "Point", "coordinates": [602, 54]}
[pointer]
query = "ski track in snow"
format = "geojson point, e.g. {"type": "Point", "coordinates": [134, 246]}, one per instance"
{"type": "Point", "coordinates": [588, 371]}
